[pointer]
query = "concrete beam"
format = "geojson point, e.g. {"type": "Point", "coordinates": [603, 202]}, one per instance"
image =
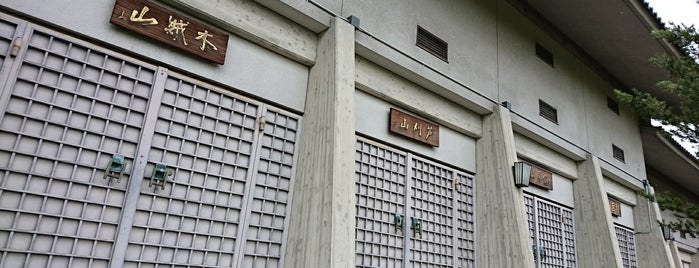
{"type": "Point", "coordinates": [321, 231]}
{"type": "Point", "coordinates": [651, 249]}
{"type": "Point", "coordinates": [257, 24]}
{"type": "Point", "coordinates": [386, 85]}
{"type": "Point", "coordinates": [597, 245]}
{"type": "Point", "coordinates": [503, 236]}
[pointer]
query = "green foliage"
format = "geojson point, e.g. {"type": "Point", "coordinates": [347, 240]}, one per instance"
{"type": "Point", "coordinates": [683, 81]}
{"type": "Point", "coordinates": [687, 213]}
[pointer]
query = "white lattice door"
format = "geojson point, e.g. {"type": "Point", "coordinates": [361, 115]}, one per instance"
{"type": "Point", "coordinates": [627, 246]}
{"type": "Point", "coordinates": [108, 161]}
{"type": "Point", "coordinates": [552, 233]}
{"type": "Point", "coordinates": [411, 212]}
{"type": "Point", "coordinates": [66, 110]}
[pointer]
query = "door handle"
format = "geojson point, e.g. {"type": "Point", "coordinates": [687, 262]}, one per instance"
{"type": "Point", "coordinates": [115, 168]}
{"type": "Point", "coordinates": [416, 226]}
{"type": "Point", "coordinates": [398, 222]}
{"type": "Point", "coordinates": [541, 251]}
{"type": "Point", "coordinates": [159, 176]}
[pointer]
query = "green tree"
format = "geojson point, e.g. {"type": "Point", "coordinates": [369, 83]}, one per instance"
{"type": "Point", "coordinates": [683, 81]}
{"type": "Point", "coordinates": [686, 213]}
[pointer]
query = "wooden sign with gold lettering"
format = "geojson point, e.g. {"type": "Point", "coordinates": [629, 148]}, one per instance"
{"type": "Point", "coordinates": [414, 128]}
{"type": "Point", "coordinates": [541, 177]}
{"type": "Point", "coordinates": [171, 28]}
{"type": "Point", "coordinates": [615, 207]}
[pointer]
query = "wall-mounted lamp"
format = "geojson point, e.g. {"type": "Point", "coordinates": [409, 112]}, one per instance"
{"type": "Point", "coordinates": [522, 172]}
{"type": "Point", "coordinates": [506, 104]}
{"type": "Point", "coordinates": [667, 231]}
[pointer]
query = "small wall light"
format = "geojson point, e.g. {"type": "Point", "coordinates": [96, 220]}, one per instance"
{"type": "Point", "coordinates": [522, 172]}
{"type": "Point", "coordinates": [667, 232]}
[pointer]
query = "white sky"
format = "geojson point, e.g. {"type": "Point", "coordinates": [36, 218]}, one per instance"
{"type": "Point", "coordinates": [678, 12]}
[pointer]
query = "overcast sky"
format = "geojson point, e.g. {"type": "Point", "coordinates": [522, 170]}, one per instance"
{"type": "Point", "coordinates": [677, 11]}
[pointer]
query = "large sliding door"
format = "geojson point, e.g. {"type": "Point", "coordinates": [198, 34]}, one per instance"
{"type": "Point", "coordinates": [106, 160]}
{"type": "Point", "coordinates": [552, 233]}
{"type": "Point", "coordinates": [411, 211]}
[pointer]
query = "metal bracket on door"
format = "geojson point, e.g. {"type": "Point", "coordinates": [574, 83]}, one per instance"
{"type": "Point", "coordinates": [115, 168]}
{"type": "Point", "coordinates": [398, 222]}
{"type": "Point", "coordinates": [416, 226]}
{"type": "Point", "coordinates": [16, 46]}
{"type": "Point", "coordinates": [541, 251]}
{"type": "Point", "coordinates": [159, 176]}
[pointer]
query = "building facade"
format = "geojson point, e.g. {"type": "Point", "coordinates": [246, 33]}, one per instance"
{"type": "Point", "coordinates": [332, 134]}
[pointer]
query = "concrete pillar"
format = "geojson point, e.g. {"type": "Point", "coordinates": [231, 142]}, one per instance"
{"type": "Point", "coordinates": [651, 249]}
{"type": "Point", "coordinates": [674, 251]}
{"type": "Point", "coordinates": [321, 231]}
{"type": "Point", "coordinates": [596, 241]}
{"type": "Point", "coordinates": [503, 234]}
{"type": "Point", "coordinates": [695, 261]}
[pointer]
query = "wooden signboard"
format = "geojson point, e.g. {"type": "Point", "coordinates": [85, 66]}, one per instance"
{"type": "Point", "coordinates": [541, 177]}
{"type": "Point", "coordinates": [615, 207]}
{"type": "Point", "coordinates": [414, 128]}
{"type": "Point", "coordinates": [171, 28]}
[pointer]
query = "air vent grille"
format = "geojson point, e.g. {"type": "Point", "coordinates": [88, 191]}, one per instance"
{"type": "Point", "coordinates": [544, 54]}
{"type": "Point", "coordinates": [618, 153]}
{"type": "Point", "coordinates": [432, 44]}
{"type": "Point", "coordinates": [613, 105]}
{"type": "Point", "coordinates": [547, 111]}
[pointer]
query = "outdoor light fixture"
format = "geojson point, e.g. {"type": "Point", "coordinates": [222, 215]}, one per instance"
{"type": "Point", "coordinates": [667, 232]}
{"type": "Point", "coordinates": [522, 171]}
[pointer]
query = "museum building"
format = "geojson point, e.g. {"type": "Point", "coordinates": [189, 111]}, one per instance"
{"type": "Point", "coordinates": [326, 133]}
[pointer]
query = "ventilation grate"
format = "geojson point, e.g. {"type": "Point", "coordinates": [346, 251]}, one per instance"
{"type": "Point", "coordinates": [432, 44]}
{"type": "Point", "coordinates": [547, 111]}
{"type": "Point", "coordinates": [618, 153]}
{"type": "Point", "coordinates": [613, 105]}
{"type": "Point", "coordinates": [544, 54]}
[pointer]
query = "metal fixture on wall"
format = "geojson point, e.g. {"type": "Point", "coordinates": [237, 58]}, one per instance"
{"type": "Point", "coordinates": [667, 232]}
{"type": "Point", "coordinates": [522, 171]}
{"type": "Point", "coordinates": [506, 104]}
{"type": "Point", "coordinates": [115, 168]}
{"type": "Point", "coordinates": [159, 176]}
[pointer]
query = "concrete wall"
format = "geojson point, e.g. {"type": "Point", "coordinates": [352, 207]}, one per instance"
{"type": "Point", "coordinates": [491, 52]}
{"type": "Point", "coordinates": [285, 77]}
{"type": "Point", "coordinates": [469, 27]}
{"type": "Point", "coordinates": [524, 78]}
{"type": "Point", "coordinates": [576, 91]}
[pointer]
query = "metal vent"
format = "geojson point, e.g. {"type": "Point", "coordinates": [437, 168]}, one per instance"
{"type": "Point", "coordinates": [618, 153]}
{"type": "Point", "coordinates": [544, 54]}
{"type": "Point", "coordinates": [432, 44]}
{"type": "Point", "coordinates": [547, 111]}
{"type": "Point", "coordinates": [613, 105]}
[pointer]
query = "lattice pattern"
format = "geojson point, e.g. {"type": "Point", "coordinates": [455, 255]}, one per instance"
{"type": "Point", "coordinates": [529, 208]}
{"type": "Point", "coordinates": [380, 179]}
{"type": "Point", "coordinates": [274, 177]}
{"type": "Point", "coordinates": [627, 246]}
{"type": "Point", "coordinates": [552, 232]}
{"type": "Point", "coordinates": [205, 137]}
{"type": "Point", "coordinates": [7, 32]}
{"type": "Point", "coordinates": [71, 108]}
{"type": "Point", "coordinates": [465, 218]}
{"type": "Point", "coordinates": [569, 237]}
{"type": "Point", "coordinates": [433, 204]}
